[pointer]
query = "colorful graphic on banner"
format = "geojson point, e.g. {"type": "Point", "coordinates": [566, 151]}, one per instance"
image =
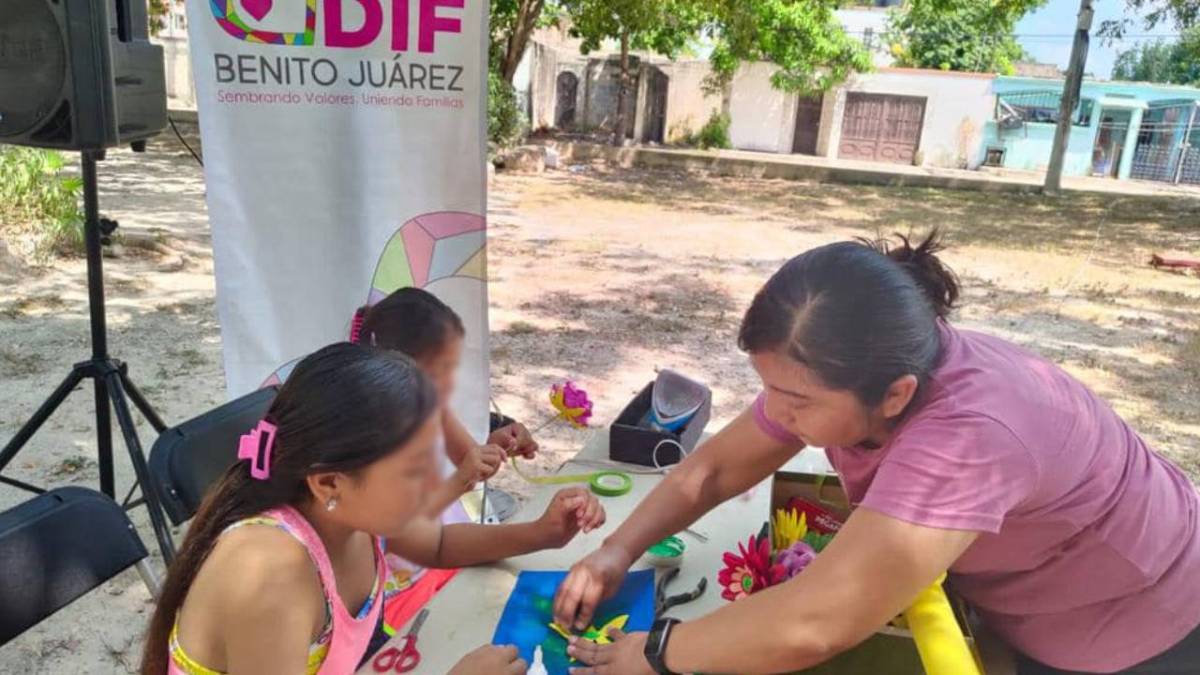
{"type": "Point", "coordinates": [344, 145]}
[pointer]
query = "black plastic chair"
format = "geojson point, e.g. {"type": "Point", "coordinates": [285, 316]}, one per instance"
{"type": "Point", "coordinates": [57, 547]}
{"type": "Point", "coordinates": [187, 459]}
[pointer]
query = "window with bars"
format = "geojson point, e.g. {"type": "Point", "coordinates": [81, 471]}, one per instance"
{"type": "Point", "coordinates": [1040, 106]}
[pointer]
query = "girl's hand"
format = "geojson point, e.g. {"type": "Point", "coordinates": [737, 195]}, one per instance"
{"type": "Point", "coordinates": [515, 439]}
{"type": "Point", "coordinates": [479, 464]}
{"type": "Point", "coordinates": [626, 655]}
{"type": "Point", "coordinates": [490, 660]}
{"type": "Point", "coordinates": [572, 510]}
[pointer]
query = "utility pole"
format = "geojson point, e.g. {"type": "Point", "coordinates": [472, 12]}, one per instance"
{"type": "Point", "coordinates": [1070, 99]}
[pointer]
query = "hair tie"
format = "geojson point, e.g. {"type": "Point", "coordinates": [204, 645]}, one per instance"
{"type": "Point", "coordinates": [256, 446]}
{"type": "Point", "coordinates": [356, 325]}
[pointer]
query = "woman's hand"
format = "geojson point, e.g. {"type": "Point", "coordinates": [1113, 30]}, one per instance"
{"type": "Point", "coordinates": [515, 439]}
{"type": "Point", "coordinates": [591, 581]}
{"type": "Point", "coordinates": [625, 655]}
{"type": "Point", "coordinates": [571, 511]}
{"type": "Point", "coordinates": [490, 660]}
{"type": "Point", "coordinates": [479, 464]}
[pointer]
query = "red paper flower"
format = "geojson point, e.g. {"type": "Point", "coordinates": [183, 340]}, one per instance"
{"type": "Point", "coordinates": [751, 571]}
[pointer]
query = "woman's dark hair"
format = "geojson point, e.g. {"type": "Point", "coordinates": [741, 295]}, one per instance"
{"type": "Point", "coordinates": [342, 408]}
{"type": "Point", "coordinates": [409, 320]}
{"type": "Point", "coordinates": [860, 314]}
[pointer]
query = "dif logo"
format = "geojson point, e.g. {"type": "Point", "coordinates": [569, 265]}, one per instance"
{"type": "Point", "coordinates": [347, 23]}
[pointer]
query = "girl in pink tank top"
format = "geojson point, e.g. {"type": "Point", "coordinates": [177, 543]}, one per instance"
{"type": "Point", "coordinates": [282, 569]}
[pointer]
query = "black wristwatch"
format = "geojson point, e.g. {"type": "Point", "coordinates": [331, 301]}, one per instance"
{"type": "Point", "coordinates": [656, 645]}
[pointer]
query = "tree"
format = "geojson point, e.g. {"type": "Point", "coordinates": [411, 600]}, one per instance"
{"type": "Point", "coordinates": [156, 13]}
{"type": "Point", "coordinates": [802, 37]}
{"type": "Point", "coordinates": [662, 26]}
{"type": "Point", "coordinates": [512, 24]}
{"type": "Point", "coordinates": [1180, 13]}
{"type": "Point", "coordinates": [966, 35]}
{"type": "Point", "coordinates": [1160, 61]}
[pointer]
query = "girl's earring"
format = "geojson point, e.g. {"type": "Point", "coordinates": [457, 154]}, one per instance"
{"type": "Point", "coordinates": [331, 504]}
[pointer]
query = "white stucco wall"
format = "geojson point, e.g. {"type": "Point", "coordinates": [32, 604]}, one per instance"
{"type": "Point", "coordinates": [957, 106]}
{"type": "Point", "coordinates": [761, 117]}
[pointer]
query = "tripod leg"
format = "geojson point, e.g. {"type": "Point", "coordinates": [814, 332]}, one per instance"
{"type": "Point", "coordinates": [104, 449]}
{"type": "Point", "coordinates": [149, 493]}
{"type": "Point", "coordinates": [141, 403]}
{"type": "Point", "coordinates": [39, 418]}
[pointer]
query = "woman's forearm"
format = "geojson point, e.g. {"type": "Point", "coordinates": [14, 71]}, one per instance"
{"type": "Point", "coordinates": [773, 632]}
{"type": "Point", "coordinates": [739, 457]}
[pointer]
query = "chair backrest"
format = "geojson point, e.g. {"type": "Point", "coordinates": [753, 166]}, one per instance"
{"type": "Point", "coordinates": [55, 548]}
{"type": "Point", "coordinates": [187, 459]}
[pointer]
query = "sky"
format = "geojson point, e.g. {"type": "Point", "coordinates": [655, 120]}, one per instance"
{"type": "Point", "coordinates": [1047, 34]}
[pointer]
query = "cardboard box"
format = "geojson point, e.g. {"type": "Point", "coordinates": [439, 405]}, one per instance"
{"type": "Point", "coordinates": [891, 650]}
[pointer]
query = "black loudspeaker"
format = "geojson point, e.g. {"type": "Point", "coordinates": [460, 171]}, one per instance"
{"type": "Point", "coordinates": [79, 74]}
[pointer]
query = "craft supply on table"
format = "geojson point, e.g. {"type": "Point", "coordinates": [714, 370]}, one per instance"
{"type": "Point", "coordinates": [603, 483]}
{"type": "Point", "coordinates": [405, 658]}
{"type": "Point", "coordinates": [538, 667]}
{"type": "Point", "coordinates": [529, 612]}
{"type": "Point", "coordinates": [666, 553]}
{"type": "Point", "coordinates": [674, 400]}
{"type": "Point", "coordinates": [663, 602]}
{"type": "Point", "coordinates": [940, 641]}
{"type": "Point", "coordinates": [662, 423]}
{"type": "Point", "coordinates": [570, 403]}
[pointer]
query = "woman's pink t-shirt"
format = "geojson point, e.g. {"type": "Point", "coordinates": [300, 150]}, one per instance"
{"type": "Point", "coordinates": [1089, 552]}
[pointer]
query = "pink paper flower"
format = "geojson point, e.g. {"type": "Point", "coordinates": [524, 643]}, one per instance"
{"type": "Point", "coordinates": [751, 571]}
{"type": "Point", "coordinates": [572, 403]}
{"type": "Point", "coordinates": [796, 558]}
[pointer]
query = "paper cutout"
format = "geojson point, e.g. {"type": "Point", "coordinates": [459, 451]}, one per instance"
{"type": "Point", "coordinates": [526, 620]}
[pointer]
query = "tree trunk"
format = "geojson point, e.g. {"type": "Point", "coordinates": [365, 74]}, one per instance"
{"type": "Point", "coordinates": [527, 17]}
{"type": "Point", "coordinates": [619, 121]}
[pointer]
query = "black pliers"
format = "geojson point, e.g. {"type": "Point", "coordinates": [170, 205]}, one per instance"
{"type": "Point", "coordinates": [662, 602]}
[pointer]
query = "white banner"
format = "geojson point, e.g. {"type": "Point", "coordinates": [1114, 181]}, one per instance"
{"type": "Point", "coordinates": [344, 148]}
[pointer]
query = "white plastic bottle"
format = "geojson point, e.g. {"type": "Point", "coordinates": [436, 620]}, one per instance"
{"type": "Point", "coordinates": [537, 667]}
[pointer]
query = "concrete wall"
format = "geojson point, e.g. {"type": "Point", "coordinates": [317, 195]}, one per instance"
{"type": "Point", "coordinates": [601, 85]}
{"type": "Point", "coordinates": [761, 117]}
{"type": "Point", "coordinates": [542, 73]}
{"type": "Point", "coordinates": [688, 106]}
{"type": "Point", "coordinates": [181, 89]}
{"type": "Point", "coordinates": [957, 109]}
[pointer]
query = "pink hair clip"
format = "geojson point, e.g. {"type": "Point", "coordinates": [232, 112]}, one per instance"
{"type": "Point", "coordinates": [356, 325]}
{"type": "Point", "coordinates": [256, 446]}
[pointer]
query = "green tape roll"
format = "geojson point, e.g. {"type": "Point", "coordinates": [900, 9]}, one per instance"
{"type": "Point", "coordinates": [611, 483]}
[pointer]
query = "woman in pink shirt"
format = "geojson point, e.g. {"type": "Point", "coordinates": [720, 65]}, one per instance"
{"type": "Point", "coordinates": [1073, 540]}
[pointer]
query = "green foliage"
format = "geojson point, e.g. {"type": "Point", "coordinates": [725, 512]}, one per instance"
{"type": "Point", "coordinates": [1170, 62]}
{"type": "Point", "coordinates": [1179, 13]}
{"type": "Point", "coordinates": [156, 11]}
{"type": "Point", "coordinates": [512, 22]}
{"type": "Point", "coordinates": [963, 35]}
{"type": "Point", "coordinates": [714, 133]}
{"type": "Point", "coordinates": [664, 27]}
{"type": "Point", "coordinates": [802, 37]}
{"type": "Point", "coordinates": [506, 123]}
{"type": "Point", "coordinates": [34, 192]}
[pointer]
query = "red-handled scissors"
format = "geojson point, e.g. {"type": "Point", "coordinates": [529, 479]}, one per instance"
{"type": "Point", "coordinates": [405, 658]}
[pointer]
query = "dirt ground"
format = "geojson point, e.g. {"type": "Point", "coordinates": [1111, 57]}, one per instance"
{"type": "Point", "coordinates": [603, 276]}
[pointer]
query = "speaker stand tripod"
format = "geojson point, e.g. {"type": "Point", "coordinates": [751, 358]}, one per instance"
{"type": "Point", "coordinates": [111, 380]}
